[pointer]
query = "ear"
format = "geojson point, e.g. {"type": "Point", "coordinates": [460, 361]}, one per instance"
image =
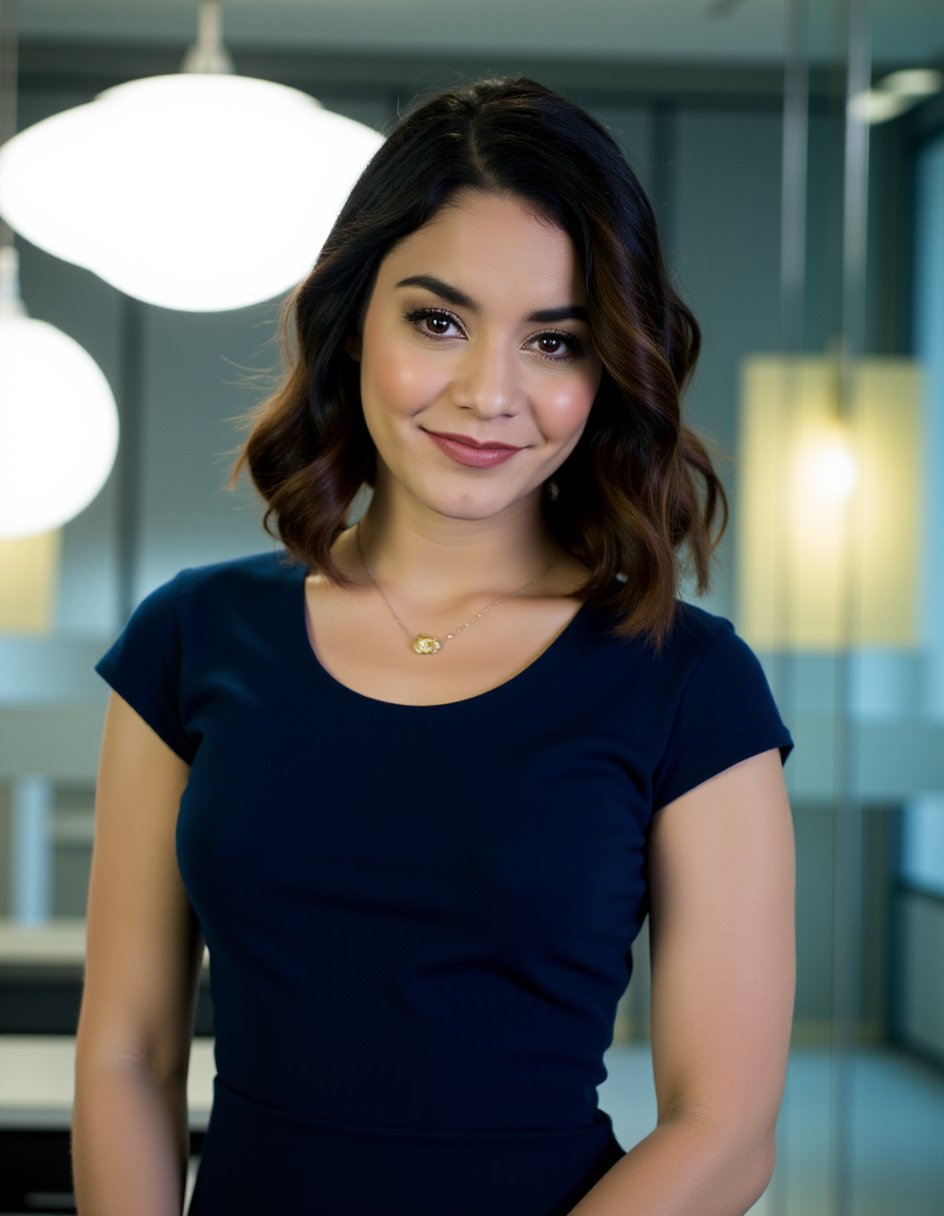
{"type": "Point", "coordinates": [352, 346]}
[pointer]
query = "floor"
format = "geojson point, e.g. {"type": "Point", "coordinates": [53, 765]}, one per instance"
{"type": "Point", "coordinates": [892, 1147]}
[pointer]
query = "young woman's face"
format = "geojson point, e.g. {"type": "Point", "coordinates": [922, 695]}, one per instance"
{"type": "Point", "coordinates": [477, 367]}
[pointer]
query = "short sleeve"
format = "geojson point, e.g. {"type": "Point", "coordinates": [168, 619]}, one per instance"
{"type": "Point", "coordinates": [726, 714]}
{"type": "Point", "coordinates": [144, 666]}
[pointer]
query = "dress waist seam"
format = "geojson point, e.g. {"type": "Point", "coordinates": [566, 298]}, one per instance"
{"type": "Point", "coordinates": [226, 1093]}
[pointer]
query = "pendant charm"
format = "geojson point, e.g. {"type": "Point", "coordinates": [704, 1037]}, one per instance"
{"type": "Point", "coordinates": [425, 643]}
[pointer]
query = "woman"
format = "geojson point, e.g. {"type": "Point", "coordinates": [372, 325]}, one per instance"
{"type": "Point", "coordinates": [432, 774]}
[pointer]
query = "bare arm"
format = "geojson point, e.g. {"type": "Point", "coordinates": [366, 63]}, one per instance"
{"type": "Point", "coordinates": [130, 1133]}
{"type": "Point", "coordinates": [722, 877]}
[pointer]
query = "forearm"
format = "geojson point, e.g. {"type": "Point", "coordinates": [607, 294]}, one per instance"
{"type": "Point", "coordinates": [686, 1165]}
{"type": "Point", "coordinates": [130, 1142]}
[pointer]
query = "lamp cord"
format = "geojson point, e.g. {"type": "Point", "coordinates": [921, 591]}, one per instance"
{"type": "Point", "coordinates": [208, 53]}
{"type": "Point", "coordinates": [8, 78]}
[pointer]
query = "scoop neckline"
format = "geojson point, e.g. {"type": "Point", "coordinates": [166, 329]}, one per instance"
{"type": "Point", "coordinates": [345, 689]}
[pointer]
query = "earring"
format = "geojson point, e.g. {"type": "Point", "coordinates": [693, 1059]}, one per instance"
{"type": "Point", "coordinates": [553, 489]}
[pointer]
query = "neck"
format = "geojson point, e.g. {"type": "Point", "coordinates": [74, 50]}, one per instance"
{"type": "Point", "coordinates": [438, 558]}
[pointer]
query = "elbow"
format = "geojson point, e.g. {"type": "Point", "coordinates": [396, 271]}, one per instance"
{"type": "Point", "coordinates": [759, 1168]}
{"type": "Point", "coordinates": [108, 1043]}
{"type": "Point", "coordinates": [748, 1155]}
{"type": "Point", "coordinates": [164, 1074]}
{"type": "Point", "coordinates": [743, 1168]}
{"type": "Point", "coordinates": [737, 1160]}
{"type": "Point", "coordinates": [113, 1053]}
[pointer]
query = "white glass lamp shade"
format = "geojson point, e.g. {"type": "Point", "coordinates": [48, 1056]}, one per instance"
{"type": "Point", "coordinates": [58, 427]}
{"type": "Point", "coordinates": [194, 191]}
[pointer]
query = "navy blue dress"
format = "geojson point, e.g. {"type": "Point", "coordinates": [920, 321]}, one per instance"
{"type": "Point", "coordinates": [419, 918]}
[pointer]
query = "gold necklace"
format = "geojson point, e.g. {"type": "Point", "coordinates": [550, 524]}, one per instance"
{"type": "Point", "coordinates": [428, 643]}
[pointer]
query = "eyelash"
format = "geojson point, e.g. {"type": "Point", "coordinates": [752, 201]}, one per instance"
{"type": "Point", "coordinates": [417, 315]}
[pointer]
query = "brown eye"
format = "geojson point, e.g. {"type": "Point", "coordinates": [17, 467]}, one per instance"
{"type": "Point", "coordinates": [556, 346]}
{"type": "Point", "coordinates": [433, 322]}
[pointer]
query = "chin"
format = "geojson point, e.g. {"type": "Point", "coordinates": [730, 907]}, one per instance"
{"type": "Point", "coordinates": [472, 510]}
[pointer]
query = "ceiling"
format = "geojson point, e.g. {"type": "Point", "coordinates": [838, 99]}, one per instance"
{"type": "Point", "coordinates": [903, 31]}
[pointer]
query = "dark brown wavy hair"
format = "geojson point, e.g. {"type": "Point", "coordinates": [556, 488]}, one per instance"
{"type": "Point", "coordinates": [639, 489]}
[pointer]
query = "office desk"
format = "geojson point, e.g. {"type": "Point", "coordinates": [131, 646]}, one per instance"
{"type": "Point", "coordinates": [36, 1090]}
{"type": "Point", "coordinates": [41, 980]}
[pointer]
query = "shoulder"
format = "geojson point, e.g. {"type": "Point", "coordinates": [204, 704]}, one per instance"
{"type": "Point", "coordinates": [256, 571]}
{"type": "Point", "coordinates": [189, 628]}
{"type": "Point", "coordinates": [703, 669]}
{"type": "Point", "coordinates": [210, 594]}
{"type": "Point", "coordinates": [697, 634]}
{"type": "Point", "coordinates": [710, 662]}
{"type": "Point", "coordinates": [694, 634]}
{"type": "Point", "coordinates": [696, 627]}
{"type": "Point", "coordinates": [721, 707]}
{"type": "Point", "coordinates": [237, 584]}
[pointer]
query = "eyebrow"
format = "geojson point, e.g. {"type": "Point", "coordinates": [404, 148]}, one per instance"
{"type": "Point", "coordinates": [452, 295]}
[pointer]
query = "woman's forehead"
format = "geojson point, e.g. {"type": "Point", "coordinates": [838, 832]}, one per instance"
{"type": "Point", "coordinates": [492, 243]}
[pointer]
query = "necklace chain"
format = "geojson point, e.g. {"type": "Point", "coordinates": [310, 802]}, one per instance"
{"type": "Point", "coordinates": [429, 643]}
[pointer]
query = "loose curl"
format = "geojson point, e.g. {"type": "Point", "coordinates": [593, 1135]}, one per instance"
{"type": "Point", "coordinates": [639, 488]}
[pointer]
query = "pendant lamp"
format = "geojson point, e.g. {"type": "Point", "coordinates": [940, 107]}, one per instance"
{"type": "Point", "coordinates": [201, 191]}
{"type": "Point", "coordinates": [58, 421]}
{"type": "Point", "coordinates": [830, 503]}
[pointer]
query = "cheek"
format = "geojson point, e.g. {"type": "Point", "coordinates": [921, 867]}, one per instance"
{"type": "Point", "coordinates": [566, 409]}
{"type": "Point", "coordinates": [394, 379]}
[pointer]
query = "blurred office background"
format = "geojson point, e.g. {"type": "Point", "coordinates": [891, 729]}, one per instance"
{"type": "Point", "coordinates": [809, 237]}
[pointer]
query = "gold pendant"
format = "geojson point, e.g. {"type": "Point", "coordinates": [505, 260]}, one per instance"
{"type": "Point", "coordinates": [425, 643]}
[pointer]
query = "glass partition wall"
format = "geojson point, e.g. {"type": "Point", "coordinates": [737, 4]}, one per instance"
{"type": "Point", "coordinates": [852, 608]}
{"type": "Point", "coordinates": [810, 240]}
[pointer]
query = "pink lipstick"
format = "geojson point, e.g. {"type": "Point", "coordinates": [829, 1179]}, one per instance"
{"type": "Point", "coordinates": [467, 451]}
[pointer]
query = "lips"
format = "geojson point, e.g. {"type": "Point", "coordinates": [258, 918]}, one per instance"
{"type": "Point", "coordinates": [465, 450]}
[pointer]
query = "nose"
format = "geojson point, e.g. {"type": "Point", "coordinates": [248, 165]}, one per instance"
{"type": "Point", "coordinates": [487, 380]}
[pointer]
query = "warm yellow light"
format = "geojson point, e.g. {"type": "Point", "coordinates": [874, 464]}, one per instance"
{"type": "Point", "coordinates": [829, 515]}
{"type": "Point", "coordinates": [827, 469]}
{"type": "Point", "coordinates": [28, 569]}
